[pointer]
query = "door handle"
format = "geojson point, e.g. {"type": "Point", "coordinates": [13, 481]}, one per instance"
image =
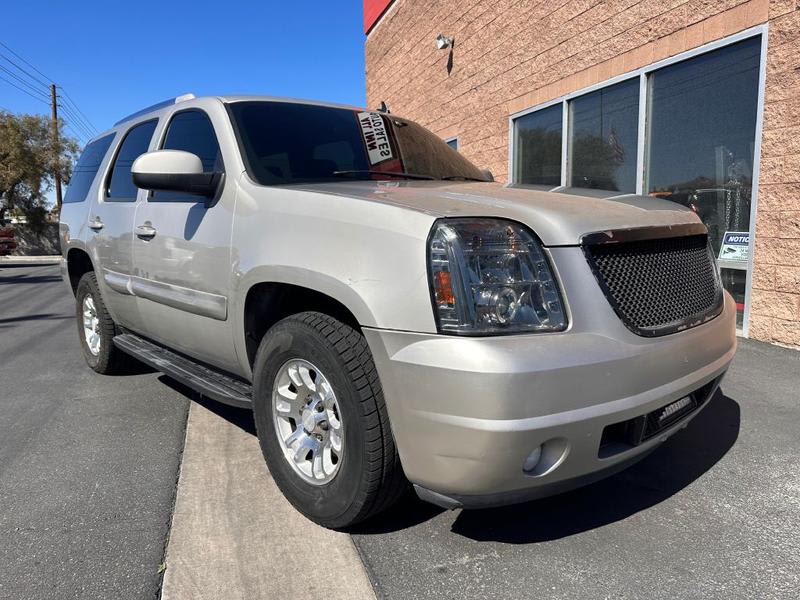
{"type": "Point", "coordinates": [145, 231]}
{"type": "Point", "coordinates": [96, 224]}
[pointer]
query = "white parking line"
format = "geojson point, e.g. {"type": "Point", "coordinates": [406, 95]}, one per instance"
{"type": "Point", "coordinates": [234, 536]}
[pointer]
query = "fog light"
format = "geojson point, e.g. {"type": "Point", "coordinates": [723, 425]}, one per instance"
{"type": "Point", "coordinates": [533, 459]}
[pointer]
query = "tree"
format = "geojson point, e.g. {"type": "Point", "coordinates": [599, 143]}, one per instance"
{"type": "Point", "coordinates": [29, 158]}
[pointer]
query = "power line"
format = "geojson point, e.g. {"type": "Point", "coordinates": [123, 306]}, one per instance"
{"type": "Point", "coordinates": [76, 119]}
{"type": "Point", "coordinates": [11, 83]}
{"type": "Point", "coordinates": [80, 112]}
{"type": "Point", "coordinates": [29, 64]}
{"type": "Point", "coordinates": [23, 82]}
{"type": "Point", "coordinates": [76, 125]}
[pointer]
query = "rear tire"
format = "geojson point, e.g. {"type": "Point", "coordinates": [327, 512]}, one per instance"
{"type": "Point", "coordinates": [92, 316]}
{"type": "Point", "coordinates": [365, 477]}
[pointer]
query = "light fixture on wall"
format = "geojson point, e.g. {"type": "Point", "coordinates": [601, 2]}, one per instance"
{"type": "Point", "coordinates": [443, 41]}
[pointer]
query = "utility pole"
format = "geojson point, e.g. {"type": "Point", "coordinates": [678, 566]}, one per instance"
{"type": "Point", "coordinates": [54, 113]}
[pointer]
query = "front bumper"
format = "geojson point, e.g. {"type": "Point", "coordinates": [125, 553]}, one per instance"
{"type": "Point", "coordinates": [467, 412]}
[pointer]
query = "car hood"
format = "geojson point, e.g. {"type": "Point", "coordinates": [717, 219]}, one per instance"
{"type": "Point", "coordinates": [559, 219]}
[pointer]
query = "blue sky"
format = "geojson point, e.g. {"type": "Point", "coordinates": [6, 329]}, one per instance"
{"type": "Point", "coordinates": [114, 58]}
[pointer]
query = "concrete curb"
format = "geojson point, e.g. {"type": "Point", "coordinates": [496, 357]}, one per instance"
{"type": "Point", "coordinates": [234, 535]}
{"type": "Point", "coordinates": [18, 261]}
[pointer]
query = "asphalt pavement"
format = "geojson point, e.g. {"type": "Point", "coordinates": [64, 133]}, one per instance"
{"type": "Point", "coordinates": [88, 469]}
{"type": "Point", "coordinates": [88, 464]}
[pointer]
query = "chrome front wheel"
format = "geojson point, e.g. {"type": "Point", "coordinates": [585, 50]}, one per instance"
{"type": "Point", "coordinates": [308, 421]}
{"type": "Point", "coordinates": [91, 325]}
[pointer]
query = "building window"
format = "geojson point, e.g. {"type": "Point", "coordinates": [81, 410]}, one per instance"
{"type": "Point", "coordinates": [537, 146]}
{"type": "Point", "coordinates": [701, 142]}
{"type": "Point", "coordinates": [697, 134]}
{"type": "Point", "coordinates": [603, 137]}
{"type": "Point", "coordinates": [453, 143]}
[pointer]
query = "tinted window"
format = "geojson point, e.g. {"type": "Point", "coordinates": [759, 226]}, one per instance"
{"type": "Point", "coordinates": [453, 143]}
{"type": "Point", "coordinates": [191, 131]}
{"type": "Point", "coordinates": [297, 143]}
{"type": "Point", "coordinates": [538, 147]}
{"type": "Point", "coordinates": [86, 169]}
{"type": "Point", "coordinates": [136, 143]}
{"type": "Point", "coordinates": [603, 138]}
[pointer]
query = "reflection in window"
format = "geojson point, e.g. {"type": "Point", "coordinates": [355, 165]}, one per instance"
{"type": "Point", "coordinates": [702, 125]}
{"type": "Point", "coordinates": [538, 147]}
{"type": "Point", "coordinates": [603, 138]}
{"type": "Point", "coordinates": [734, 281]}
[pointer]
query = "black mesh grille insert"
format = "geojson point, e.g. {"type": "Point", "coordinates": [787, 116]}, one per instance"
{"type": "Point", "coordinates": [658, 286]}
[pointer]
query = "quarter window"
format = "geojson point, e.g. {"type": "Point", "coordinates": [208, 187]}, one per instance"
{"type": "Point", "coordinates": [136, 143]}
{"type": "Point", "coordinates": [86, 169]}
{"type": "Point", "coordinates": [191, 131]}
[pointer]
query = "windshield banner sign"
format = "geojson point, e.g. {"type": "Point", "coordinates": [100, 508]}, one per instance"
{"type": "Point", "coordinates": [376, 138]}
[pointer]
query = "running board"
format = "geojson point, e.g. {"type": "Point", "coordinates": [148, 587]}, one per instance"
{"type": "Point", "coordinates": [201, 378]}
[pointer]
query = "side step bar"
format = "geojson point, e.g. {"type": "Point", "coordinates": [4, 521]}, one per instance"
{"type": "Point", "coordinates": [201, 378]}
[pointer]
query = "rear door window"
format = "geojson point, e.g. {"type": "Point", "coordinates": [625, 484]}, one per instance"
{"type": "Point", "coordinates": [86, 169]}
{"type": "Point", "coordinates": [191, 131]}
{"type": "Point", "coordinates": [136, 142]}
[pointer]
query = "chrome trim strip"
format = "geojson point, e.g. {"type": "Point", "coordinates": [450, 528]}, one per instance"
{"type": "Point", "coordinates": [616, 236]}
{"type": "Point", "coordinates": [119, 282]}
{"type": "Point", "coordinates": [199, 303]}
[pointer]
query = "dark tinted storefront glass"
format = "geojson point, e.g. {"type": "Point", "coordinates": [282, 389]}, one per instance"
{"type": "Point", "coordinates": [603, 138]}
{"type": "Point", "coordinates": [136, 143]}
{"type": "Point", "coordinates": [702, 123]}
{"type": "Point", "coordinates": [191, 131]}
{"type": "Point", "coordinates": [86, 168]}
{"type": "Point", "coordinates": [538, 147]}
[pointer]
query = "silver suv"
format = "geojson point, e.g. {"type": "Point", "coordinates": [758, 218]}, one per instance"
{"type": "Point", "coordinates": [391, 316]}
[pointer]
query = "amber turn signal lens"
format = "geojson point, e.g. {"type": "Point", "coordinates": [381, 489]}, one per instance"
{"type": "Point", "coordinates": [443, 287]}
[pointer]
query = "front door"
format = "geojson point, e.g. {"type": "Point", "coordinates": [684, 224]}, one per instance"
{"type": "Point", "coordinates": [182, 261]}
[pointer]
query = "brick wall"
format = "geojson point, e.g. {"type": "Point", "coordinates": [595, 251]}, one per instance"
{"type": "Point", "coordinates": [513, 54]}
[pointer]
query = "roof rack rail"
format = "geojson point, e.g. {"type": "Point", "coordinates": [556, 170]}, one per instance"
{"type": "Point", "coordinates": [156, 106]}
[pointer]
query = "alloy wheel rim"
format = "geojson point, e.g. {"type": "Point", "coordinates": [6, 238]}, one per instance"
{"type": "Point", "coordinates": [91, 325]}
{"type": "Point", "coordinates": [308, 421]}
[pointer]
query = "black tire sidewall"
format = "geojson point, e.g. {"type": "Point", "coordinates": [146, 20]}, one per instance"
{"type": "Point", "coordinates": [88, 287]}
{"type": "Point", "coordinates": [339, 500]}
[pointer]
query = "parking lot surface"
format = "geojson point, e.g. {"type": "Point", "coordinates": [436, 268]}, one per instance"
{"type": "Point", "coordinates": [89, 464]}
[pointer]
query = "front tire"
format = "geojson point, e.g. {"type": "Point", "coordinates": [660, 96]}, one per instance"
{"type": "Point", "coordinates": [322, 421]}
{"type": "Point", "coordinates": [96, 329]}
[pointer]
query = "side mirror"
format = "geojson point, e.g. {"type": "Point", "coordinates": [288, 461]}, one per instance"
{"type": "Point", "coordinates": [174, 171]}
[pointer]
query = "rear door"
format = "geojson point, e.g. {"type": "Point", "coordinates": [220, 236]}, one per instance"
{"type": "Point", "coordinates": [110, 237]}
{"type": "Point", "coordinates": [181, 248]}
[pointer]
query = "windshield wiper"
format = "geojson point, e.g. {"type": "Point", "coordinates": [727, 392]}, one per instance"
{"type": "Point", "coordinates": [388, 173]}
{"type": "Point", "coordinates": [464, 178]}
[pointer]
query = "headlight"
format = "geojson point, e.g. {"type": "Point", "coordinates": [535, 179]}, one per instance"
{"type": "Point", "coordinates": [490, 276]}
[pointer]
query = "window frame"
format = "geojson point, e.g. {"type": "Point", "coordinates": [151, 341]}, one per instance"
{"type": "Point", "coordinates": [643, 74]}
{"type": "Point", "coordinates": [110, 170]}
{"type": "Point", "coordinates": [163, 140]}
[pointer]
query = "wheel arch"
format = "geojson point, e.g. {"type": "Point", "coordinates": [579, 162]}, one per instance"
{"type": "Point", "coordinates": [78, 264]}
{"type": "Point", "coordinates": [266, 300]}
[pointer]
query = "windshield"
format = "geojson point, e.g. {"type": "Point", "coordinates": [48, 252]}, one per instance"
{"type": "Point", "coordinates": [286, 143]}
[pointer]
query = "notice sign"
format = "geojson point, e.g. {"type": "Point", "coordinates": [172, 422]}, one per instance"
{"type": "Point", "coordinates": [375, 137]}
{"type": "Point", "coordinates": [735, 246]}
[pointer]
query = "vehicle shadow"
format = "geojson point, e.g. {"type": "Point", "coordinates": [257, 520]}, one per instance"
{"type": "Point", "coordinates": [241, 417]}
